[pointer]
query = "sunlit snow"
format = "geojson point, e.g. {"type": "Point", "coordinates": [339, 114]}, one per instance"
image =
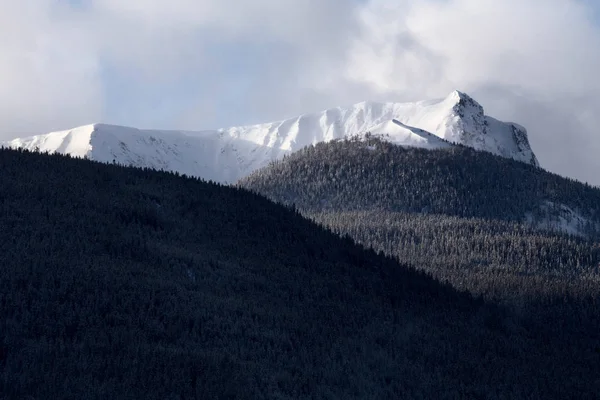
{"type": "Point", "coordinates": [226, 155]}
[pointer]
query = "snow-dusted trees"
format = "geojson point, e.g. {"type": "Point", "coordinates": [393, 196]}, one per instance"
{"type": "Point", "coordinates": [126, 283]}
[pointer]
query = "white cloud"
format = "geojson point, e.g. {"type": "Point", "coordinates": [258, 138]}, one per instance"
{"type": "Point", "coordinates": [161, 38]}
{"type": "Point", "coordinates": [547, 47]}
{"type": "Point", "coordinates": [49, 76]}
{"type": "Point", "coordinates": [531, 61]}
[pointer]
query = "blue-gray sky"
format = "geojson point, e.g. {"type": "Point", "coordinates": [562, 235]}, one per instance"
{"type": "Point", "coordinates": [197, 64]}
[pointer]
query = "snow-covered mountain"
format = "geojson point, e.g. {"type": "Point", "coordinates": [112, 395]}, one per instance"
{"type": "Point", "coordinates": [226, 155]}
{"type": "Point", "coordinates": [212, 155]}
{"type": "Point", "coordinates": [408, 136]}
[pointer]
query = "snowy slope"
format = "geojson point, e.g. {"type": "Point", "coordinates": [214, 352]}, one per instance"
{"type": "Point", "coordinates": [558, 217]}
{"type": "Point", "coordinates": [396, 132]}
{"type": "Point", "coordinates": [211, 155]}
{"type": "Point", "coordinates": [225, 155]}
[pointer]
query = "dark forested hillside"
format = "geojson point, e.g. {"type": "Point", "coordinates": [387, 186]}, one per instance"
{"type": "Point", "coordinates": [455, 213]}
{"type": "Point", "coordinates": [350, 175]}
{"type": "Point", "coordinates": [122, 283]}
{"type": "Point", "coordinates": [497, 259]}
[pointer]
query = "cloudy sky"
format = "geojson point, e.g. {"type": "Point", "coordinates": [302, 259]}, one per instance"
{"type": "Point", "coordinates": [196, 64]}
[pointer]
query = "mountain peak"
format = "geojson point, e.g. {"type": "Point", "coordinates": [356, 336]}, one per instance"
{"type": "Point", "coordinates": [461, 100]}
{"type": "Point", "coordinates": [462, 120]}
{"type": "Point", "coordinates": [228, 154]}
{"type": "Point", "coordinates": [460, 95]}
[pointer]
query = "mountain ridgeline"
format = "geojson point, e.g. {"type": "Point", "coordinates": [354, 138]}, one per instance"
{"type": "Point", "coordinates": [485, 223]}
{"type": "Point", "coordinates": [128, 283]}
{"type": "Point", "coordinates": [228, 154]}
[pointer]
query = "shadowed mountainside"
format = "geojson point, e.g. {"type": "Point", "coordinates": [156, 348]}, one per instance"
{"type": "Point", "coordinates": [128, 283]}
{"type": "Point", "coordinates": [484, 223]}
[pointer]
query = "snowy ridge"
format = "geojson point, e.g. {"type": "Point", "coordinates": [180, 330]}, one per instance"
{"type": "Point", "coordinates": [226, 155]}
{"type": "Point", "coordinates": [210, 155]}
{"type": "Point", "coordinates": [396, 132]}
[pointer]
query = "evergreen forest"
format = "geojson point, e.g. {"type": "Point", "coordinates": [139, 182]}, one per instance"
{"type": "Point", "coordinates": [466, 217]}
{"type": "Point", "coordinates": [129, 283]}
